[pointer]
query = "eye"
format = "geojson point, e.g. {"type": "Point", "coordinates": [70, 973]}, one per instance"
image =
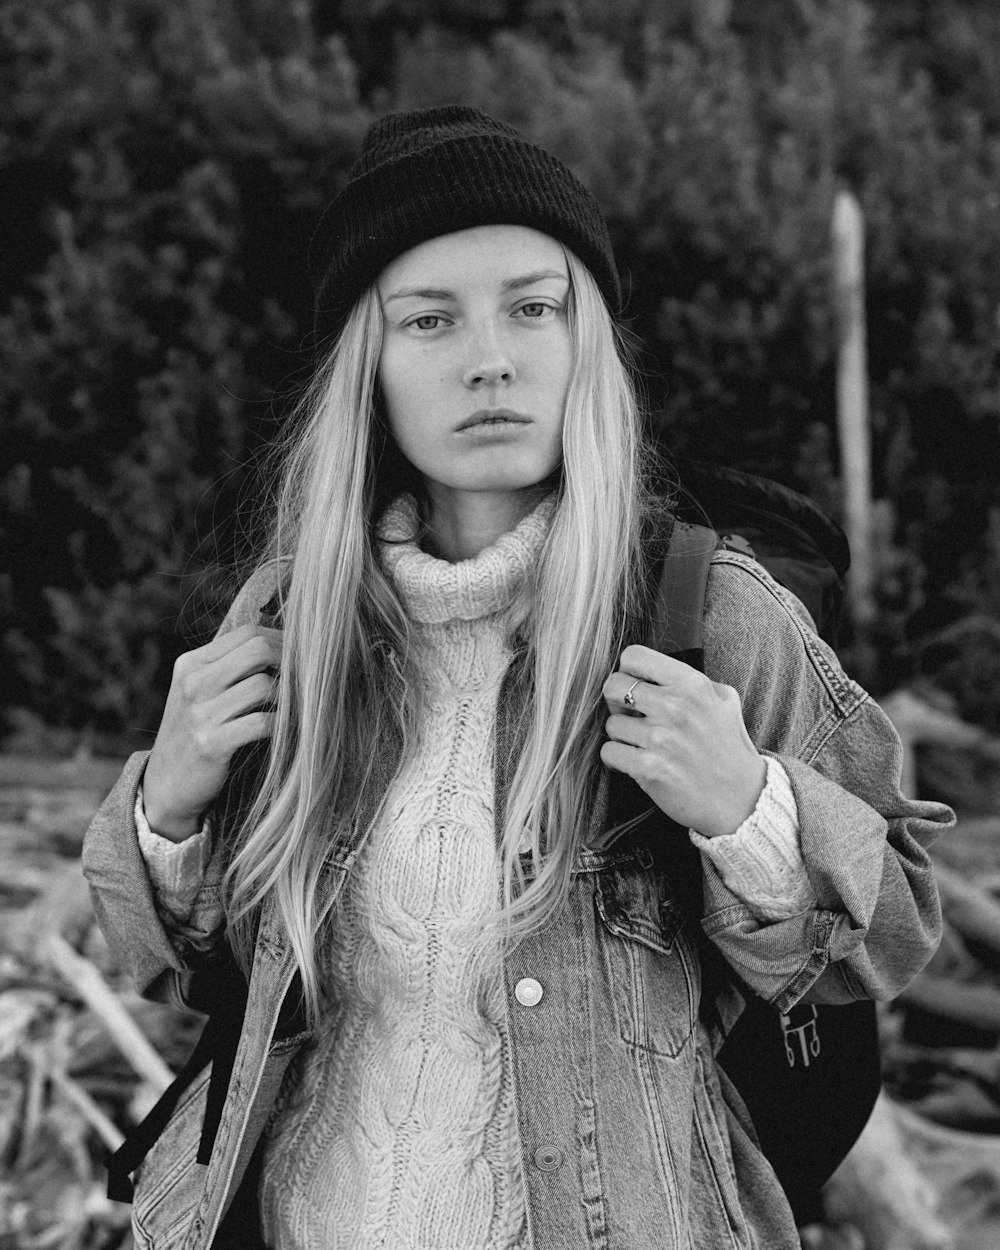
{"type": "Point", "coordinates": [429, 321]}
{"type": "Point", "coordinates": [535, 310]}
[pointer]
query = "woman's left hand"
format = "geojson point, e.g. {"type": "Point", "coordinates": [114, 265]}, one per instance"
{"type": "Point", "coordinates": [683, 741]}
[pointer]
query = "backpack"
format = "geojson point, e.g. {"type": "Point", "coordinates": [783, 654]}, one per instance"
{"type": "Point", "coordinates": [810, 1077]}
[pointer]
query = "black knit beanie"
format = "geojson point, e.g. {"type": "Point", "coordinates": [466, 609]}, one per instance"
{"type": "Point", "coordinates": [433, 172]}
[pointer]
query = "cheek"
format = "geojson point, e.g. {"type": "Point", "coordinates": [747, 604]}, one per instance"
{"type": "Point", "coordinates": [400, 401]}
{"type": "Point", "coordinates": [406, 431]}
{"type": "Point", "coordinates": [554, 451]}
{"type": "Point", "coordinates": [559, 364]}
{"type": "Point", "coordinates": [411, 387]}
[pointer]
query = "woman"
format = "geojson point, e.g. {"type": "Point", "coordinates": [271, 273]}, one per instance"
{"type": "Point", "coordinates": [473, 1009]}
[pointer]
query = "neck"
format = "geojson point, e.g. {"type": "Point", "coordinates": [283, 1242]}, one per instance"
{"type": "Point", "coordinates": [462, 524]}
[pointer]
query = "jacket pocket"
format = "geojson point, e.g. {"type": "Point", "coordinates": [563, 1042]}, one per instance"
{"type": "Point", "coordinates": [649, 958]}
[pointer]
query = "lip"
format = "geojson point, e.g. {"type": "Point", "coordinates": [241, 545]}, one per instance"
{"type": "Point", "coordinates": [491, 416]}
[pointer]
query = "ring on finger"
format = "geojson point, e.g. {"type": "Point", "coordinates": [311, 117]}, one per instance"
{"type": "Point", "coordinates": [629, 698]}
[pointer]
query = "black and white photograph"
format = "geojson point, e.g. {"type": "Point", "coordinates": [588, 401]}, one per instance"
{"type": "Point", "coordinates": [500, 625]}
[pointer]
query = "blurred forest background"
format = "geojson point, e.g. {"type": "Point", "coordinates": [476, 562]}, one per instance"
{"type": "Point", "coordinates": [163, 165]}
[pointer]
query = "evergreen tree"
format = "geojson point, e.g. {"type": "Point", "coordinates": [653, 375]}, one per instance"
{"type": "Point", "coordinates": [168, 164]}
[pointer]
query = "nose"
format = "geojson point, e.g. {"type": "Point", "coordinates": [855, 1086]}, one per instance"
{"type": "Point", "coordinates": [488, 361]}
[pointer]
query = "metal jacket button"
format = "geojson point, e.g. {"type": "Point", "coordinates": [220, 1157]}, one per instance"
{"type": "Point", "coordinates": [528, 992]}
{"type": "Point", "coordinates": [548, 1158]}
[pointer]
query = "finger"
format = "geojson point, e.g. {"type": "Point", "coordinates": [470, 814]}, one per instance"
{"type": "Point", "coordinates": [622, 758]}
{"type": "Point", "coordinates": [256, 654]}
{"type": "Point", "coordinates": [633, 731]}
{"type": "Point", "coordinates": [222, 644]}
{"type": "Point", "coordinates": [641, 695]}
{"type": "Point", "coordinates": [260, 653]}
{"type": "Point", "coordinates": [656, 668]}
{"type": "Point", "coordinates": [250, 728]}
{"type": "Point", "coordinates": [254, 693]}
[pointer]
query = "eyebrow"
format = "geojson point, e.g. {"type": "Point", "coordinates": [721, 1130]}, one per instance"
{"type": "Point", "coordinates": [509, 284]}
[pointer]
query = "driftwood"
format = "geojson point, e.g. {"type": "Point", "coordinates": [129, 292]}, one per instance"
{"type": "Point", "coordinates": [91, 1112]}
{"type": "Point", "coordinates": [954, 985]}
{"type": "Point", "coordinates": [977, 1005]}
{"type": "Point", "coordinates": [85, 980]}
{"type": "Point", "coordinates": [919, 722]}
{"type": "Point", "coordinates": [80, 1054]}
{"type": "Point", "coordinates": [969, 908]}
{"type": "Point", "coordinates": [829, 1237]}
{"type": "Point", "coordinates": [882, 1192]}
{"type": "Point", "coordinates": [910, 1184]}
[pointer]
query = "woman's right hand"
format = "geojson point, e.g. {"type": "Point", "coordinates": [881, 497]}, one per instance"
{"type": "Point", "coordinates": [218, 701]}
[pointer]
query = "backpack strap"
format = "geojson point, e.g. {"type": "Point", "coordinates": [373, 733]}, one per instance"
{"type": "Point", "coordinates": [678, 608]}
{"type": "Point", "coordinates": [218, 991]}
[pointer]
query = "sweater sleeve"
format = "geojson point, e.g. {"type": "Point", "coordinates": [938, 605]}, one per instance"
{"type": "Point", "coordinates": [761, 863]}
{"type": "Point", "coordinates": [176, 869]}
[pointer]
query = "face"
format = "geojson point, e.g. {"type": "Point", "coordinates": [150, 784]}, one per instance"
{"type": "Point", "coordinates": [476, 358]}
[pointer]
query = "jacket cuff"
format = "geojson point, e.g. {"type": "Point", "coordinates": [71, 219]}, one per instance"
{"type": "Point", "coordinates": [761, 863]}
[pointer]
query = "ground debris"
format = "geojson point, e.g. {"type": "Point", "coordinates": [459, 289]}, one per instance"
{"type": "Point", "coordinates": [925, 1174]}
{"type": "Point", "coordinates": [82, 1056]}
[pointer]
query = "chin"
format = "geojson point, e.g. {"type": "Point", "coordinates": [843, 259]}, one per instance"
{"type": "Point", "coordinates": [511, 486]}
{"type": "Point", "coordinates": [515, 481]}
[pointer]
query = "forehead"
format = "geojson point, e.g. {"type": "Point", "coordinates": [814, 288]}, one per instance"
{"type": "Point", "coordinates": [484, 252]}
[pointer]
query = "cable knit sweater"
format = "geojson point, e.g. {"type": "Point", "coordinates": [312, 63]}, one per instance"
{"type": "Point", "coordinates": [399, 1129]}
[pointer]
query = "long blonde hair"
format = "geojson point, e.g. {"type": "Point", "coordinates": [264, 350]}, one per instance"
{"type": "Point", "coordinates": [345, 660]}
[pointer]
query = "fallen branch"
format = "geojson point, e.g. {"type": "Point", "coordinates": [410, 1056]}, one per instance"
{"type": "Point", "coordinates": [918, 721]}
{"type": "Point", "coordinates": [976, 828]}
{"type": "Point", "coordinates": [880, 1189]}
{"type": "Point", "coordinates": [988, 882]}
{"type": "Point", "coordinates": [973, 912]}
{"type": "Point", "coordinates": [34, 1095]}
{"type": "Point", "coordinates": [953, 958]}
{"type": "Point", "coordinates": [91, 1112]}
{"type": "Point", "coordinates": [969, 1004]}
{"type": "Point", "coordinates": [81, 975]}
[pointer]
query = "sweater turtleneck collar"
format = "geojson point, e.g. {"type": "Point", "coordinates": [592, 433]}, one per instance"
{"type": "Point", "coordinates": [434, 591]}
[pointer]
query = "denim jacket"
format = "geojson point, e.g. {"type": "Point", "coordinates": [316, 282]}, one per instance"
{"type": "Point", "coordinates": [631, 1136]}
